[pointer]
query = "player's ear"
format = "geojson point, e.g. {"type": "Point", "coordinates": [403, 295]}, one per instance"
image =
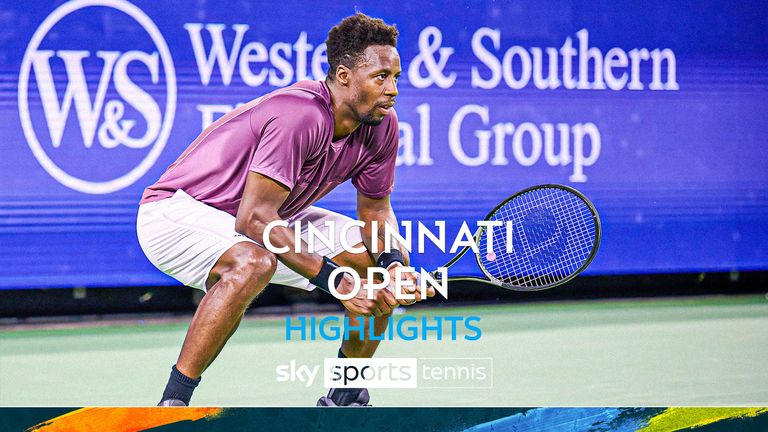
{"type": "Point", "coordinates": [342, 75]}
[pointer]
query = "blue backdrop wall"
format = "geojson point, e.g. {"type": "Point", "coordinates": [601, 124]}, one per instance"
{"type": "Point", "coordinates": [656, 110]}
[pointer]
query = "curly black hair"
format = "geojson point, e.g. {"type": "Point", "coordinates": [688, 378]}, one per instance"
{"type": "Point", "coordinates": [349, 38]}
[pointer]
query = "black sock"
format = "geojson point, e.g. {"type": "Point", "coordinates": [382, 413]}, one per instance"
{"type": "Point", "coordinates": [179, 386]}
{"type": "Point", "coordinates": [345, 396]}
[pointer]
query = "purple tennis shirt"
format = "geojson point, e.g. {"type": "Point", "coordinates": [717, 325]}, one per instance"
{"type": "Point", "coordinates": [286, 135]}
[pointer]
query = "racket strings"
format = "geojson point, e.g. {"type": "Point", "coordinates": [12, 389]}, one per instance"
{"type": "Point", "coordinates": [558, 264]}
{"type": "Point", "coordinates": [531, 271]}
{"type": "Point", "coordinates": [553, 234]}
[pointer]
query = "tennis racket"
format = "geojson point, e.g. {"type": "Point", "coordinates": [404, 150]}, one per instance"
{"type": "Point", "coordinates": [554, 231]}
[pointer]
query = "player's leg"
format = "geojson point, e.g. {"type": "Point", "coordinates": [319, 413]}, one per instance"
{"type": "Point", "coordinates": [357, 346]}
{"type": "Point", "coordinates": [360, 345]}
{"type": "Point", "coordinates": [197, 244]}
{"type": "Point", "coordinates": [239, 276]}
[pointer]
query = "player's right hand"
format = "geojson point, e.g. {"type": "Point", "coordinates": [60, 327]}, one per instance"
{"type": "Point", "coordinates": [382, 304]}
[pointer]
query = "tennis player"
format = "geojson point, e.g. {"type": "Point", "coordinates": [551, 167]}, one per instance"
{"type": "Point", "coordinates": [271, 159]}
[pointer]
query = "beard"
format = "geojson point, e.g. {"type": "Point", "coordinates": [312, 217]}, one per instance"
{"type": "Point", "coordinates": [371, 120]}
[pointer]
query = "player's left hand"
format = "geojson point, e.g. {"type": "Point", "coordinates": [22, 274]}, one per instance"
{"type": "Point", "coordinates": [410, 285]}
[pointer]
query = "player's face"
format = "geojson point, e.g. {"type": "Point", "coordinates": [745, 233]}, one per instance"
{"type": "Point", "coordinates": [374, 84]}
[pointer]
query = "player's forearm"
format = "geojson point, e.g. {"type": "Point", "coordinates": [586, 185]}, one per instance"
{"type": "Point", "coordinates": [383, 217]}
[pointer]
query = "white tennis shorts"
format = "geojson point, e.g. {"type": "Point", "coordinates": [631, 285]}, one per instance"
{"type": "Point", "coordinates": [184, 238]}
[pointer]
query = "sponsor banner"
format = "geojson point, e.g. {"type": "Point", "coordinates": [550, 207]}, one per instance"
{"type": "Point", "coordinates": [659, 124]}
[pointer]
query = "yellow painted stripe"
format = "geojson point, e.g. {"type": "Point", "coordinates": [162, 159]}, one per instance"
{"type": "Point", "coordinates": [675, 419]}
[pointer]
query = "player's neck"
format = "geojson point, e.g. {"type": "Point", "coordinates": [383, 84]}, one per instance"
{"type": "Point", "coordinates": [344, 121]}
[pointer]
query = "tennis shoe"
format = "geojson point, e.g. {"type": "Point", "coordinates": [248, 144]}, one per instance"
{"type": "Point", "coordinates": [172, 403]}
{"type": "Point", "coordinates": [345, 397]}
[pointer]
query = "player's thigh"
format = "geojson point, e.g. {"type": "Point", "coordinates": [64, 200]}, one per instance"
{"type": "Point", "coordinates": [185, 238]}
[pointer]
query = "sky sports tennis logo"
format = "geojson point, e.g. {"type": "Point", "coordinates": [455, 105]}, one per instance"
{"type": "Point", "coordinates": [97, 113]}
{"type": "Point", "coordinates": [392, 373]}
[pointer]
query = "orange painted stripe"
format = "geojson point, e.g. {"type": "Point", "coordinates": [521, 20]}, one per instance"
{"type": "Point", "coordinates": [122, 419]}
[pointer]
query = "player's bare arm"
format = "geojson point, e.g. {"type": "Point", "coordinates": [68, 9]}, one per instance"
{"type": "Point", "coordinates": [380, 210]}
{"type": "Point", "coordinates": [262, 198]}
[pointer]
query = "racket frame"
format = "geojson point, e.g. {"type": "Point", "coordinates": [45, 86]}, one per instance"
{"type": "Point", "coordinates": [478, 234]}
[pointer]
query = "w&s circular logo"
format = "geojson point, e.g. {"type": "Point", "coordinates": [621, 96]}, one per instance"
{"type": "Point", "coordinates": [97, 94]}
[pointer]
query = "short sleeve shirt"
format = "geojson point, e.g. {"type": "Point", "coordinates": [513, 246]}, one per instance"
{"type": "Point", "coordinates": [286, 135]}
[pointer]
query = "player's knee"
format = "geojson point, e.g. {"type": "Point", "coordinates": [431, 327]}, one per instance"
{"type": "Point", "coordinates": [252, 266]}
{"type": "Point", "coordinates": [258, 264]}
